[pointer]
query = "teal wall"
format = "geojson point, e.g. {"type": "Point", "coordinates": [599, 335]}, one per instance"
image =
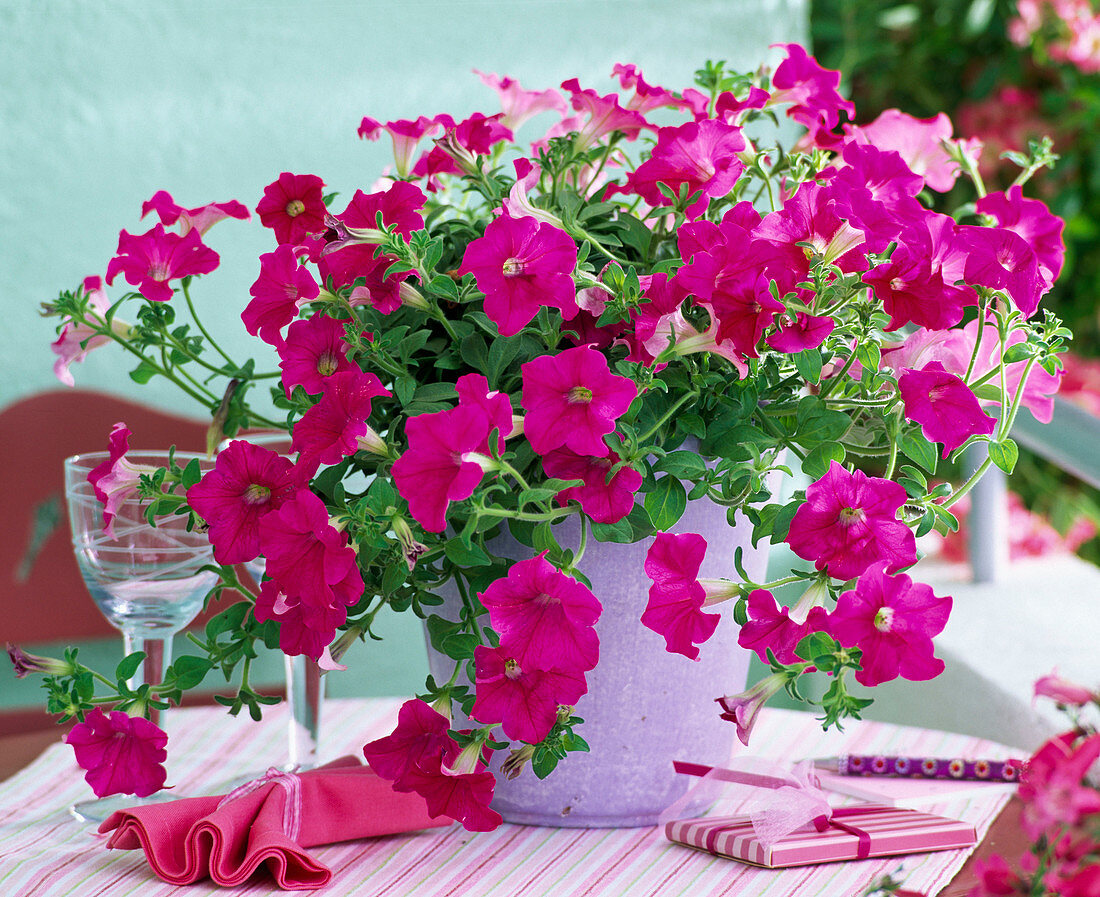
{"type": "Point", "coordinates": [104, 103]}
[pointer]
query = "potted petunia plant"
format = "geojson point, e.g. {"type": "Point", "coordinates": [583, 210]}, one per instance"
{"type": "Point", "coordinates": [555, 397]}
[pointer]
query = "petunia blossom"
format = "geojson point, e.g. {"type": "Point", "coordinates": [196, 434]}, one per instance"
{"type": "Point", "coordinates": [201, 218]}
{"type": "Point", "coordinates": [524, 701]}
{"type": "Point", "coordinates": [743, 708]}
{"type": "Point", "coordinates": [314, 351]}
{"type": "Point", "coordinates": [115, 480]}
{"type": "Point", "coordinates": [604, 115]}
{"type": "Point", "coordinates": [676, 598]}
{"type": "Point", "coordinates": [1052, 787]}
{"type": "Point", "coordinates": [804, 332]}
{"type": "Point", "coordinates": [406, 134]}
{"type": "Point", "coordinates": [546, 617]}
{"type": "Point", "coordinates": [464, 797]}
{"type": "Point", "coordinates": [1034, 222]}
{"type": "Point", "coordinates": [522, 265]}
{"type": "Point", "coordinates": [148, 261]}
{"type": "Point", "coordinates": [892, 620]}
{"type": "Point", "coordinates": [420, 738]}
{"type": "Point", "coordinates": [1001, 259]}
{"type": "Point", "coordinates": [1063, 690]}
{"type": "Point", "coordinates": [330, 430]}
{"type": "Point", "coordinates": [605, 501]}
{"type": "Point", "coordinates": [293, 206]}
{"type": "Point", "coordinates": [849, 522]}
{"type": "Point", "coordinates": [945, 407]}
{"type": "Point", "coordinates": [248, 481]}
{"type": "Point", "coordinates": [517, 104]}
{"type": "Point", "coordinates": [120, 754]}
{"type": "Point", "coordinates": [473, 390]}
{"type": "Point", "coordinates": [812, 92]}
{"type": "Point", "coordinates": [772, 627]}
{"type": "Point", "coordinates": [281, 289]}
{"type": "Point", "coordinates": [572, 399]}
{"type": "Point", "coordinates": [76, 339]}
{"type": "Point", "coordinates": [919, 141]}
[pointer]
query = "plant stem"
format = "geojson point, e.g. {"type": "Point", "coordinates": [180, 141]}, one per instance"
{"type": "Point", "coordinates": [198, 323]}
{"type": "Point", "coordinates": [469, 605]}
{"type": "Point", "coordinates": [668, 414]}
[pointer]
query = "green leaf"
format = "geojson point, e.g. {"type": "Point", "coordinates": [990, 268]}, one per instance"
{"type": "Point", "coordinates": [502, 352]}
{"type": "Point", "coordinates": [441, 283]}
{"type": "Point", "coordinates": [869, 355]}
{"type": "Point", "coordinates": [666, 503]}
{"type": "Point", "coordinates": [543, 762]}
{"type": "Point", "coordinates": [783, 518]}
{"type": "Point", "coordinates": [124, 672]}
{"type": "Point", "coordinates": [405, 388]}
{"type": "Point", "coordinates": [814, 423]}
{"type": "Point", "coordinates": [466, 556]}
{"type": "Point", "coordinates": [684, 465]}
{"type": "Point", "coordinates": [475, 352]}
{"type": "Point", "coordinates": [621, 532]}
{"type": "Point", "coordinates": [143, 373]}
{"type": "Point", "coordinates": [817, 461]}
{"type": "Point", "coordinates": [189, 670]}
{"type": "Point", "coordinates": [192, 473]}
{"type": "Point", "coordinates": [461, 646]}
{"type": "Point", "coordinates": [1004, 454]}
{"type": "Point", "coordinates": [439, 630]}
{"type": "Point", "coordinates": [808, 363]}
{"type": "Point", "coordinates": [914, 446]}
{"type": "Point", "coordinates": [434, 392]}
{"type": "Point", "coordinates": [1017, 352]}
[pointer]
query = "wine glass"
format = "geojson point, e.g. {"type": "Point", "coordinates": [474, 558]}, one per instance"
{"type": "Point", "coordinates": [147, 580]}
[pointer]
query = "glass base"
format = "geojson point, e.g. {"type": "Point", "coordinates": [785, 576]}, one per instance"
{"type": "Point", "coordinates": [98, 809]}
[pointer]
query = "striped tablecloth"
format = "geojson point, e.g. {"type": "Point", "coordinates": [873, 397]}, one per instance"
{"type": "Point", "coordinates": [45, 853]}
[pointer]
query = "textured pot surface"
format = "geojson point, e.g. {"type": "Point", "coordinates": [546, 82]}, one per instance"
{"type": "Point", "coordinates": [645, 707]}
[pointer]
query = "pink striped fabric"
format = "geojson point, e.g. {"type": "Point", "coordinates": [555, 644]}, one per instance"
{"type": "Point", "coordinates": [44, 853]}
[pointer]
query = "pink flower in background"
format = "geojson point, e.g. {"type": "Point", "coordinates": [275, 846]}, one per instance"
{"type": "Point", "coordinates": [805, 332]}
{"type": "Point", "coordinates": [696, 155]}
{"type": "Point", "coordinates": [812, 92]}
{"type": "Point", "coordinates": [201, 219]}
{"type": "Point", "coordinates": [742, 709]}
{"type": "Point", "coordinates": [945, 407]}
{"type": "Point", "coordinates": [115, 480]}
{"type": "Point", "coordinates": [771, 626]}
{"type": "Point", "coordinates": [150, 260]}
{"type": "Point", "coordinates": [849, 522]}
{"type": "Point", "coordinates": [918, 142]}
{"type": "Point", "coordinates": [444, 462]}
{"type": "Point", "coordinates": [420, 739]}
{"type": "Point", "coordinates": [1081, 382]}
{"type": "Point", "coordinates": [330, 430]}
{"type": "Point", "coordinates": [603, 501]}
{"type": "Point", "coordinates": [1034, 222]}
{"type": "Point", "coordinates": [473, 390]}
{"type": "Point", "coordinates": [293, 207]}
{"type": "Point", "coordinates": [470, 138]}
{"type": "Point", "coordinates": [604, 115]}
{"type": "Point", "coordinates": [406, 135]}
{"type": "Point", "coordinates": [728, 106]}
{"type": "Point", "coordinates": [524, 701]}
{"type": "Point", "coordinates": [281, 289]}
{"type": "Point", "coordinates": [677, 598]}
{"type": "Point", "coordinates": [518, 104]}
{"type": "Point", "coordinates": [315, 351]}
{"type": "Point", "coordinates": [120, 754]}
{"type": "Point", "coordinates": [1052, 786]}
{"type": "Point", "coordinates": [892, 620]}
{"type": "Point", "coordinates": [247, 482]}
{"type": "Point", "coordinates": [546, 617]}
{"type": "Point", "coordinates": [522, 265]}
{"type": "Point", "coordinates": [76, 340]}
{"type": "Point", "coordinates": [572, 399]}
{"type": "Point", "coordinates": [1063, 690]}
{"type": "Point", "coordinates": [1004, 122]}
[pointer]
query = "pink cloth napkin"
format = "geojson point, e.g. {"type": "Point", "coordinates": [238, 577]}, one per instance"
{"type": "Point", "coordinates": [272, 820]}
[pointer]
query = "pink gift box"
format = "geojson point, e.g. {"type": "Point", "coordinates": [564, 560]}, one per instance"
{"type": "Point", "coordinates": [854, 832]}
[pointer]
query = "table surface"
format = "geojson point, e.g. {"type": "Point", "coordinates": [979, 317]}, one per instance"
{"type": "Point", "coordinates": [44, 853]}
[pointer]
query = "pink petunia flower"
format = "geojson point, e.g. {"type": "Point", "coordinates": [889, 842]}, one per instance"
{"type": "Point", "coordinates": [849, 522]}
{"type": "Point", "coordinates": [804, 332]}
{"type": "Point", "coordinates": [524, 701]}
{"type": "Point", "coordinates": [464, 797]}
{"type": "Point", "coordinates": [293, 206]}
{"type": "Point", "coordinates": [603, 501]}
{"type": "Point", "coordinates": [314, 352]}
{"type": "Point", "coordinates": [770, 626]}
{"type": "Point", "coordinates": [521, 265]}
{"type": "Point", "coordinates": [742, 309]}
{"type": "Point", "coordinates": [115, 480]}
{"type": "Point", "coordinates": [420, 739]}
{"type": "Point", "coordinates": [120, 754]}
{"type": "Point", "coordinates": [76, 340]}
{"type": "Point", "coordinates": [699, 155]}
{"type": "Point", "coordinates": [647, 96]}
{"type": "Point", "coordinates": [572, 399]}
{"type": "Point", "coordinates": [677, 598]}
{"type": "Point", "coordinates": [308, 623]}
{"type": "Point", "coordinates": [473, 391]}
{"type": "Point", "coordinates": [405, 134]}
{"type": "Point", "coordinates": [518, 104]}
{"type": "Point", "coordinates": [281, 289]}
{"type": "Point", "coordinates": [1062, 690]}
{"type": "Point", "coordinates": [201, 219]}
{"type": "Point", "coordinates": [150, 260]}
{"type": "Point", "coordinates": [1052, 787]}
{"type": "Point", "coordinates": [742, 709]}
{"type": "Point", "coordinates": [330, 430]}
{"type": "Point", "coordinates": [546, 617]}
{"type": "Point", "coordinates": [945, 407]}
{"type": "Point", "coordinates": [892, 620]}
{"type": "Point", "coordinates": [444, 462]}
{"type": "Point", "coordinates": [812, 92]}
{"type": "Point", "coordinates": [1034, 222]}
{"type": "Point", "coordinates": [810, 217]}
{"type": "Point", "coordinates": [472, 137]}
{"type": "Point", "coordinates": [248, 481]}
{"type": "Point", "coordinates": [604, 116]}
{"type": "Point", "coordinates": [1001, 259]}
{"type": "Point", "coordinates": [919, 141]}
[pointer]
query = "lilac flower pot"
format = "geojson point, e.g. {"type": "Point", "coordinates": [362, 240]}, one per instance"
{"type": "Point", "coordinates": [645, 707]}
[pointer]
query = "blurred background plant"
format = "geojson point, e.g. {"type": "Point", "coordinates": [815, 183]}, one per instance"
{"type": "Point", "coordinates": [1005, 71]}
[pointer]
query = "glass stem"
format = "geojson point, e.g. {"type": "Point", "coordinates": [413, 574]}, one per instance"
{"type": "Point", "coordinates": [158, 657]}
{"type": "Point", "coordinates": [305, 691]}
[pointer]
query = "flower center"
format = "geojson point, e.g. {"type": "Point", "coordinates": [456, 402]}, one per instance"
{"type": "Point", "coordinates": [884, 619]}
{"type": "Point", "coordinates": [512, 669]}
{"type": "Point", "coordinates": [256, 494]}
{"type": "Point", "coordinates": [849, 516]}
{"type": "Point", "coordinates": [326, 364]}
{"type": "Point", "coordinates": [295, 207]}
{"type": "Point", "coordinates": [513, 267]}
{"type": "Point", "coordinates": [580, 395]}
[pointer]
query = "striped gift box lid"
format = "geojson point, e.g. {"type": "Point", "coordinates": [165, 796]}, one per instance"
{"type": "Point", "coordinates": [855, 832]}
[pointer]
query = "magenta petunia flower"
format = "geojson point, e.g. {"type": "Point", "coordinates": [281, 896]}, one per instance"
{"type": "Point", "coordinates": [120, 754]}
{"type": "Point", "coordinates": [405, 134]}
{"type": "Point", "coordinates": [517, 104]}
{"type": "Point", "coordinates": [701, 155]}
{"type": "Point", "coordinates": [115, 480]}
{"type": "Point", "coordinates": [742, 309]}
{"type": "Point", "coordinates": [331, 429]}
{"type": "Point", "coordinates": [1053, 788]}
{"type": "Point", "coordinates": [1001, 259]}
{"type": "Point", "coordinates": [201, 219]}
{"type": "Point", "coordinates": [420, 739]}
{"type": "Point", "coordinates": [444, 462]}
{"type": "Point", "coordinates": [1062, 690]}
{"type": "Point", "coordinates": [770, 626]}
{"type": "Point", "coordinates": [945, 407]}
{"type": "Point", "coordinates": [812, 92]}
{"type": "Point", "coordinates": [473, 390]}
{"type": "Point", "coordinates": [919, 141]}
{"type": "Point", "coordinates": [603, 501]}
{"type": "Point", "coordinates": [546, 617]}
{"type": "Point", "coordinates": [247, 482]}
{"type": "Point", "coordinates": [150, 260]}
{"type": "Point", "coordinates": [604, 115]}
{"type": "Point", "coordinates": [521, 265]}
{"type": "Point", "coordinates": [742, 709]}
{"type": "Point", "coordinates": [293, 206]}
{"type": "Point", "coordinates": [280, 290]}
{"type": "Point", "coordinates": [677, 598]}
{"type": "Point", "coordinates": [524, 701]}
{"type": "Point", "coordinates": [572, 399]}
{"type": "Point", "coordinates": [314, 352]}
{"type": "Point", "coordinates": [804, 332]}
{"type": "Point", "coordinates": [1034, 222]}
{"type": "Point", "coordinates": [849, 522]}
{"type": "Point", "coordinates": [464, 797]}
{"type": "Point", "coordinates": [308, 624]}
{"type": "Point", "coordinates": [810, 217]}
{"type": "Point", "coordinates": [647, 96]}
{"type": "Point", "coordinates": [892, 620]}
{"type": "Point", "coordinates": [76, 340]}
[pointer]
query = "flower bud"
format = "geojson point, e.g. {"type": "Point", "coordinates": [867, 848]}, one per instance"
{"type": "Point", "coordinates": [25, 663]}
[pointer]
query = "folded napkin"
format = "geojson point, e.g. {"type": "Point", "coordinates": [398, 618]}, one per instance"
{"type": "Point", "coordinates": [272, 819]}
